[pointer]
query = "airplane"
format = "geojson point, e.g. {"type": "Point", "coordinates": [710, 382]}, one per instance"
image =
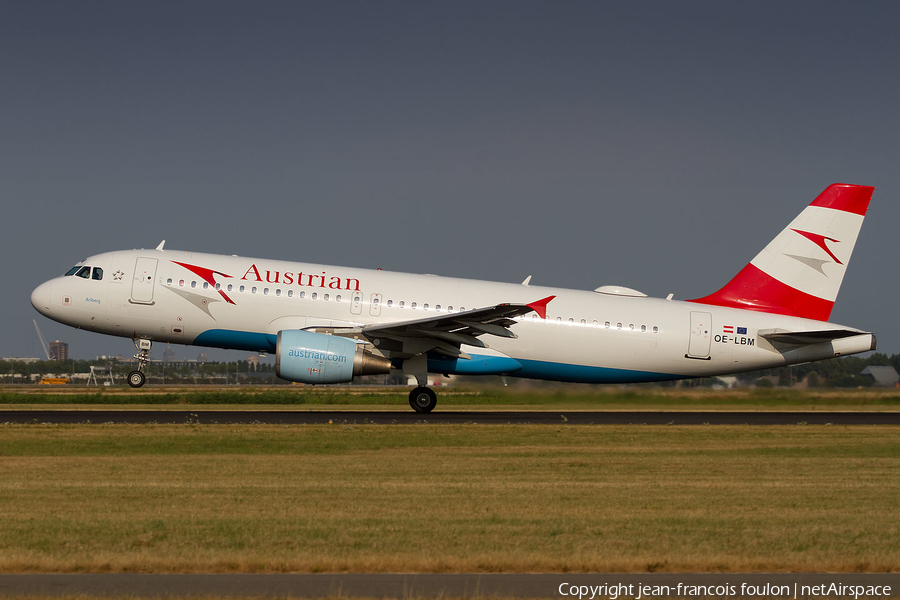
{"type": "Point", "coordinates": [329, 324]}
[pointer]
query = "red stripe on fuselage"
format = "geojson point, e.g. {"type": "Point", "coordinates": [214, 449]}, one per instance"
{"type": "Point", "coordinates": [753, 289]}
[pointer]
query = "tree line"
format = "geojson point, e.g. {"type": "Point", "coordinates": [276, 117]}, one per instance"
{"type": "Point", "coordinates": [841, 372]}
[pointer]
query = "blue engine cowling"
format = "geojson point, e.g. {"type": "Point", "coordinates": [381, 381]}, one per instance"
{"type": "Point", "coordinates": [310, 357]}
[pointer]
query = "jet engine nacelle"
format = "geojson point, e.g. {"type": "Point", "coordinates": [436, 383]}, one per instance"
{"type": "Point", "coordinates": [310, 357]}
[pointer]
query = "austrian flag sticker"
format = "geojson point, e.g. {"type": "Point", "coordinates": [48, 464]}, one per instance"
{"type": "Point", "coordinates": [731, 329]}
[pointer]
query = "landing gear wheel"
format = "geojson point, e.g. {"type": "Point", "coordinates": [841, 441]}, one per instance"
{"type": "Point", "coordinates": [136, 379]}
{"type": "Point", "coordinates": [423, 399]}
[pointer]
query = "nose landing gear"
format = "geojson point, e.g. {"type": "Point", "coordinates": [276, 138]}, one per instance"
{"type": "Point", "coordinates": [137, 378]}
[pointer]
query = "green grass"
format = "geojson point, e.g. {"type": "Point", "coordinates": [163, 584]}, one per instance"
{"type": "Point", "coordinates": [448, 498]}
{"type": "Point", "coordinates": [486, 398]}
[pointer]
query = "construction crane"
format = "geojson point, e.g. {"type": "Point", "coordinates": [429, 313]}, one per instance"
{"type": "Point", "coordinates": [43, 341]}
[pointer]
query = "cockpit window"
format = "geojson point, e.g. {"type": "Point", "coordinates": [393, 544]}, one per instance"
{"type": "Point", "coordinates": [97, 274]}
{"type": "Point", "coordinates": [72, 271]}
{"type": "Point", "coordinates": [84, 273]}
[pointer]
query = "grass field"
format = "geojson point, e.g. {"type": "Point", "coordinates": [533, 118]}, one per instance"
{"type": "Point", "coordinates": [486, 398]}
{"type": "Point", "coordinates": [427, 498]}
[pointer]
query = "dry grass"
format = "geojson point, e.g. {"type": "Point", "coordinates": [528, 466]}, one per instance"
{"type": "Point", "coordinates": [448, 498]}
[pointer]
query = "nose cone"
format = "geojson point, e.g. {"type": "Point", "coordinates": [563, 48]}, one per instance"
{"type": "Point", "coordinates": [40, 298]}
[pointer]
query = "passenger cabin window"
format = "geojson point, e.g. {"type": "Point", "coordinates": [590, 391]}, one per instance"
{"type": "Point", "coordinates": [193, 284]}
{"type": "Point", "coordinates": [655, 329]}
{"type": "Point", "coordinates": [97, 275]}
{"type": "Point", "coordinates": [303, 294]}
{"type": "Point", "coordinates": [325, 297]}
{"type": "Point", "coordinates": [84, 273]}
{"type": "Point", "coordinates": [290, 293]}
{"type": "Point", "coordinates": [337, 298]}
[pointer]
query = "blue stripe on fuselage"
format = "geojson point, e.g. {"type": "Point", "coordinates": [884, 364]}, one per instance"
{"type": "Point", "coordinates": [538, 369]}
{"type": "Point", "coordinates": [236, 340]}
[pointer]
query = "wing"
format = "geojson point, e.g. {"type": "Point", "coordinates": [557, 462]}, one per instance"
{"type": "Point", "coordinates": [445, 334]}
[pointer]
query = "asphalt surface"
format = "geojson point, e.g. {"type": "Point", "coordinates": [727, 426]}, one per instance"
{"type": "Point", "coordinates": [388, 585]}
{"type": "Point", "coordinates": [410, 417]}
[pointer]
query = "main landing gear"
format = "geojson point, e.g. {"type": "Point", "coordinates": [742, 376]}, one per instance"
{"type": "Point", "coordinates": [423, 399]}
{"type": "Point", "coordinates": [137, 378]}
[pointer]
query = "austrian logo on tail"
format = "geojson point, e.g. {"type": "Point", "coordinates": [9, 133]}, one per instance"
{"type": "Point", "coordinates": [819, 240]}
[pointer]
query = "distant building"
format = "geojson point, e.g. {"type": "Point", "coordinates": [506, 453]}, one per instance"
{"type": "Point", "coordinates": [59, 350]}
{"type": "Point", "coordinates": [202, 358]}
{"type": "Point", "coordinates": [883, 376]}
{"type": "Point", "coordinates": [169, 355]}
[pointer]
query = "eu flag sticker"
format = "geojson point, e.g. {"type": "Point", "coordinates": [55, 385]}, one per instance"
{"type": "Point", "coordinates": [742, 330]}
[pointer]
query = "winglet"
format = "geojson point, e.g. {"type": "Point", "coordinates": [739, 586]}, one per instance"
{"type": "Point", "coordinates": [161, 244]}
{"type": "Point", "coordinates": [527, 280]}
{"type": "Point", "coordinates": [540, 306]}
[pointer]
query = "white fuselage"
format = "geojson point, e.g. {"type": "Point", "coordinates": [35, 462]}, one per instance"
{"type": "Point", "coordinates": [586, 336]}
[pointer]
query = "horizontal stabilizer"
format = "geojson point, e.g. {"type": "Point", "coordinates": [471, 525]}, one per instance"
{"type": "Point", "coordinates": [803, 338]}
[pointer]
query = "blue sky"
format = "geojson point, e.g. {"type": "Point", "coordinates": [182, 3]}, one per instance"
{"type": "Point", "coordinates": [658, 146]}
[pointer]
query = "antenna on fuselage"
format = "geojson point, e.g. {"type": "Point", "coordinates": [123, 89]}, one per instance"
{"type": "Point", "coordinates": [161, 244]}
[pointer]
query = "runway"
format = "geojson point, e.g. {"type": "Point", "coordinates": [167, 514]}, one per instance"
{"type": "Point", "coordinates": [437, 585]}
{"type": "Point", "coordinates": [408, 417]}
